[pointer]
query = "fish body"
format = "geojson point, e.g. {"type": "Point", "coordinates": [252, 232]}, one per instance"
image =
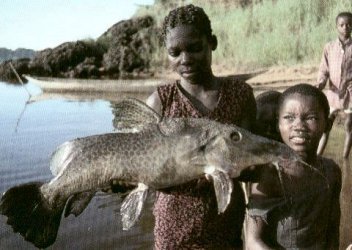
{"type": "Point", "coordinates": [163, 153]}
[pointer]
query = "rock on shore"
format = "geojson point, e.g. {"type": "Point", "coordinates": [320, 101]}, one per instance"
{"type": "Point", "coordinates": [123, 50]}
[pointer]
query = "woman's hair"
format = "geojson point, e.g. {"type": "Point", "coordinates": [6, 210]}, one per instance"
{"type": "Point", "coordinates": [307, 90]}
{"type": "Point", "coordinates": [188, 14]}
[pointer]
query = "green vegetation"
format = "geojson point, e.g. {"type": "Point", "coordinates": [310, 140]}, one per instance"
{"type": "Point", "coordinates": [264, 32]}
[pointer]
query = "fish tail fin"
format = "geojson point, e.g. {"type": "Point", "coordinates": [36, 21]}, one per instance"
{"type": "Point", "coordinates": [29, 214]}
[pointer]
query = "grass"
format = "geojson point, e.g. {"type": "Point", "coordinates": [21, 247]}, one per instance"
{"type": "Point", "coordinates": [268, 33]}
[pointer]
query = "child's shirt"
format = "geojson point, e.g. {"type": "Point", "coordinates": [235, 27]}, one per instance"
{"type": "Point", "coordinates": [336, 66]}
{"type": "Point", "coordinates": [306, 214]}
{"type": "Point", "coordinates": [186, 217]}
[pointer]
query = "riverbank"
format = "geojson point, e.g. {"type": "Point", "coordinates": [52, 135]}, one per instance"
{"type": "Point", "coordinates": [269, 78]}
{"type": "Point", "coordinates": [273, 78]}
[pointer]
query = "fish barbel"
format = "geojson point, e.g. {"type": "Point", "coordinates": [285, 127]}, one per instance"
{"type": "Point", "coordinates": [165, 152]}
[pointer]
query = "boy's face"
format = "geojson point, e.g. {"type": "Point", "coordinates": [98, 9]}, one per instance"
{"type": "Point", "coordinates": [301, 124]}
{"type": "Point", "coordinates": [344, 26]}
{"type": "Point", "coordinates": [189, 53]}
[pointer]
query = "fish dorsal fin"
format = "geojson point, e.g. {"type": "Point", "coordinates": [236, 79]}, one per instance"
{"type": "Point", "coordinates": [223, 186]}
{"type": "Point", "coordinates": [132, 206]}
{"type": "Point", "coordinates": [133, 114]}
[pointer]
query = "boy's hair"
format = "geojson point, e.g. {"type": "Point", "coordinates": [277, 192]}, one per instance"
{"type": "Point", "coordinates": [268, 97]}
{"type": "Point", "coordinates": [307, 90]}
{"type": "Point", "coordinates": [188, 14]}
{"type": "Point", "coordinates": [344, 14]}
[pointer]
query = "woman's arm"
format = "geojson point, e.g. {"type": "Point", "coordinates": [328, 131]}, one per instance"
{"type": "Point", "coordinates": [256, 225]}
{"type": "Point", "coordinates": [262, 198]}
{"type": "Point", "coordinates": [154, 102]}
{"type": "Point", "coordinates": [323, 73]}
{"type": "Point", "coordinates": [255, 230]}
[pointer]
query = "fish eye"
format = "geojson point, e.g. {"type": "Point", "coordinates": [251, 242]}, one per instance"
{"type": "Point", "coordinates": [236, 136]}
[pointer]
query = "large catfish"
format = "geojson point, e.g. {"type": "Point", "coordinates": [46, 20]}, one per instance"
{"type": "Point", "coordinates": [161, 153]}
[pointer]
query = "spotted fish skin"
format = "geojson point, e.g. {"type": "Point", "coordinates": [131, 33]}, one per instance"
{"type": "Point", "coordinates": [170, 153]}
{"type": "Point", "coordinates": [164, 152]}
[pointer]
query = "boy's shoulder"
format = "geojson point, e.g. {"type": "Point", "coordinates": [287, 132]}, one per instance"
{"type": "Point", "coordinates": [236, 83]}
{"type": "Point", "coordinates": [329, 162]}
{"type": "Point", "coordinates": [335, 43]}
{"type": "Point", "coordinates": [168, 84]}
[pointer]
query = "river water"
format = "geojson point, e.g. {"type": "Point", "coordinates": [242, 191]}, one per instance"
{"type": "Point", "coordinates": [30, 133]}
{"type": "Point", "coordinates": [28, 136]}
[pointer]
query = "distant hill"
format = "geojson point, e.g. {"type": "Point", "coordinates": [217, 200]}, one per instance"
{"type": "Point", "coordinates": [7, 54]}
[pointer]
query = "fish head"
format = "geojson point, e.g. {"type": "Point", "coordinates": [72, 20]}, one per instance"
{"type": "Point", "coordinates": [233, 149]}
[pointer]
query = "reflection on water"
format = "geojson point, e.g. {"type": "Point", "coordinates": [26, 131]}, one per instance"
{"type": "Point", "coordinates": [26, 146]}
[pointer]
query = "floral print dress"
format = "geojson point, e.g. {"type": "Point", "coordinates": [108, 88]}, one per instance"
{"type": "Point", "coordinates": [186, 217]}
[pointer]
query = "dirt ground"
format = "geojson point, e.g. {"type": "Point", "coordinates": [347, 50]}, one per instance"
{"type": "Point", "coordinates": [278, 77]}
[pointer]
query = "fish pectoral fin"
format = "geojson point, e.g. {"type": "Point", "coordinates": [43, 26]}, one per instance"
{"type": "Point", "coordinates": [223, 186]}
{"type": "Point", "coordinates": [77, 203]}
{"type": "Point", "coordinates": [132, 206]}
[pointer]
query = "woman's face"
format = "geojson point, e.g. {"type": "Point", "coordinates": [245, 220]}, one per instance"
{"type": "Point", "coordinates": [189, 53]}
{"type": "Point", "coordinates": [301, 124]}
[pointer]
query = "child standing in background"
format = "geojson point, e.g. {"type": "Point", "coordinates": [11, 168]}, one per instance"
{"type": "Point", "coordinates": [336, 68]}
{"type": "Point", "coordinates": [186, 217]}
{"type": "Point", "coordinates": [296, 206]}
{"type": "Point", "coordinates": [266, 119]}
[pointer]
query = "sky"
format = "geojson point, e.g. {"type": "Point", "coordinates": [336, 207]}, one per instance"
{"type": "Point", "coordinates": [40, 24]}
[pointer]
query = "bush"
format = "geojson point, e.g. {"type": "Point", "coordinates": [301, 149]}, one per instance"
{"type": "Point", "coordinates": [261, 33]}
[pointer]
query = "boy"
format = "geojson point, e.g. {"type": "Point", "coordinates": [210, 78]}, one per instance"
{"type": "Point", "coordinates": [296, 206]}
{"type": "Point", "coordinates": [336, 67]}
{"type": "Point", "coordinates": [186, 217]}
{"type": "Point", "coordinates": [266, 120]}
